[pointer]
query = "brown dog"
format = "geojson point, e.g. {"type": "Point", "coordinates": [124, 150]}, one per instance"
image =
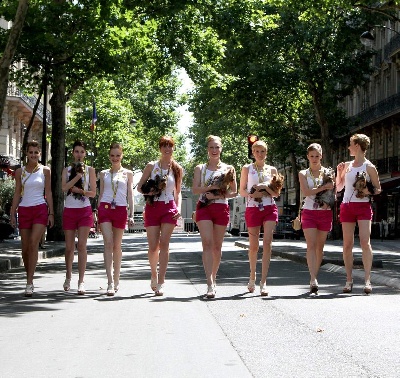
{"type": "Point", "coordinates": [361, 183]}
{"type": "Point", "coordinates": [276, 185]}
{"type": "Point", "coordinates": [222, 181]}
{"type": "Point", "coordinates": [326, 197]}
{"type": "Point", "coordinates": [156, 186]}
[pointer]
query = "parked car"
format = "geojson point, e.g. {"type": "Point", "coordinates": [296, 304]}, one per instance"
{"type": "Point", "coordinates": [284, 229]}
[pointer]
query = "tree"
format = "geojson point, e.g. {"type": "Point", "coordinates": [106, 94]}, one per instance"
{"type": "Point", "coordinates": [9, 51]}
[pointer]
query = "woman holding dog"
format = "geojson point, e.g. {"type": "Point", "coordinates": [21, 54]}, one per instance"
{"type": "Point", "coordinates": [79, 184]}
{"type": "Point", "coordinates": [212, 211]}
{"type": "Point", "coordinates": [116, 193]}
{"type": "Point", "coordinates": [163, 211]}
{"type": "Point", "coordinates": [356, 207]}
{"type": "Point", "coordinates": [316, 216]}
{"type": "Point", "coordinates": [35, 210]}
{"type": "Point", "coordinates": [261, 210]}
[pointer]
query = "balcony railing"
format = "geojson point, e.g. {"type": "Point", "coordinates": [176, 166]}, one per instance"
{"type": "Point", "coordinates": [30, 101]}
{"type": "Point", "coordinates": [378, 110]}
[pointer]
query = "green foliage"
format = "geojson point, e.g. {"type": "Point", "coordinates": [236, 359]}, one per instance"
{"type": "Point", "coordinates": [7, 189]}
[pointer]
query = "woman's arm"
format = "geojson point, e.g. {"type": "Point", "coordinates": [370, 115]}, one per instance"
{"type": "Point", "coordinates": [178, 192]}
{"type": "Point", "coordinates": [49, 195]}
{"type": "Point", "coordinates": [232, 190]}
{"type": "Point", "coordinates": [67, 185]}
{"type": "Point", "coordinates": [341, 171]}
{"type": "Point", "coordinates": [101, 186]}
{"type": "Point", "coordinates": [16, 198]}
{"type": "Point", "coordinates": [92, 183]}
{"type": "Point", "coordinates": [130, 197]}
{"type": "Point", "coordinates": [243, 181]}
{"type": "Point", "coordinates": [373, 174]}
{"type": "Point", "coordinates": [145, 176]}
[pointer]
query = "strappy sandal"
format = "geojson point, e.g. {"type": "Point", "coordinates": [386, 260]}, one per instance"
{"type": "Point", "coordinates": [159, 290]}
{"type": "Point", "coordinates": [368, 288]}
{"type": "Point", "coordinates": [251, 286]}
{"type": "Point", "coordinates": [153, 284]}
{"type": "Point", "coordinates": [67, 284]}
{"type": "Point", "coordinates": [348, 288]}
{"type": "Point", "coordinates": [210, 292]}
{"type": "Point", "coordinates": [314, 287]}
{"type": "Point", "coordinates": [263, 290]}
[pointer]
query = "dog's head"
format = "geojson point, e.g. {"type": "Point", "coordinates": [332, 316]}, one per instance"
{"type": "Point", "coordinates": [76, 168]}
{"type": "Point", "coordinates": [360, 182]}
{"type": "Point", "coordinates": [148, 186]}
{"type": "Point", "coordinates": [276, 183]}
{"type": "Point", "coordinates": [160, 183]}
{"type": "Point", "coordinates": [328, 176]}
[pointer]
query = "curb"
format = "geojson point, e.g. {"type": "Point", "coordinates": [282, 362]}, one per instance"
{"type": "Point", "coordinates": [13, 262]}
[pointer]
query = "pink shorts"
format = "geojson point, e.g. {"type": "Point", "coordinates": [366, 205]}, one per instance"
{"type": "Point", "coordinates": [117, 217]}
{"type": "Point", "coordinates": [160, 212]}
{"type": "Point", "coordinates": [255, 217]}
{"type": "Point", "coordinates": [218, 213]}
{"type": "Point", "coordinates": [30, 215]}
{"type": "Point", "coordinates": [354, 211]}
{"type": "Point", "coordinates": [319, 219]}
{"type": "Point", "coordinates": [76, 218]}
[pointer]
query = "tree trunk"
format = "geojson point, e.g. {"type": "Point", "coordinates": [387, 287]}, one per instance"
{"type": "Point", "coordinates": [9, 51]}
{"type": "Point", "coordinates": [58, 103]}
{"type": "Point", "coordinates": [295, 173]}
{"type": "Point", "coordinates": [324, 126]}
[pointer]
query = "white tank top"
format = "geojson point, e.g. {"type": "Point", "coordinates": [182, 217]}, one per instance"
{"type": "Point", "coordinates": [207, 176]}
{"type": "Point", "coordinates": [33, 187]}
{"type": "Point", "coordinates": [119, 186]}
{"type": "Point", "coordinates": [349, 179]}
{"type": "Point", "coordinates": [70, 200]}
{"type": "Point", "coordinates": [312, 182]}
{"type": "Point", "coordinates": [168, 193]}
{"type": "Point", "coordinates": [255, 177]}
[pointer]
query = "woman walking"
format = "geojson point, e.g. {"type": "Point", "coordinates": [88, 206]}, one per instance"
{"type": "Point", "coordinates": [79, 183]}
{"type": "Point", "coordinates": [116, 193]}
{"type": "Point", "coordinates": [356, 207]}
{"type": "Point", "coordinates": [162, 210]}
{"type": "Point", "coordinates": [35, 210]}
{"type": "Point", "coordinates": [316, 215]}
{"type": "Point", "coordinates": [215, 182]}
{"type": "Point", "coordinates": [261, 210]}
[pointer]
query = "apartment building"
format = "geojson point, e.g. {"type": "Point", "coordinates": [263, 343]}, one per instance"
{"type": "Point", "coordinates": [375, 108]}
{"type": "Point", "coordinates": [17, 113]}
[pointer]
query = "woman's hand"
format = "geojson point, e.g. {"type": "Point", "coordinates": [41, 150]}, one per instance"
{"type": "Point", "coordinates": [50, 220]}
{"type": "Point", "coordinates": [177, 215]}
{"type": "Point", "coordinates": [131, 222]}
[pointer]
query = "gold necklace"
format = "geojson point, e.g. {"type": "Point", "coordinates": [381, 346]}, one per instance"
{"type": "Point", "coordinates": [260, 172]}
{"type": "Point", "coordinates": [316, 181]}
{"type": "Point", "coordinates": [212, 174]}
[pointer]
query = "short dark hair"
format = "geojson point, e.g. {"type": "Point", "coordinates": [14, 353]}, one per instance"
{"type": "Point", "coordinates": [79, 143]}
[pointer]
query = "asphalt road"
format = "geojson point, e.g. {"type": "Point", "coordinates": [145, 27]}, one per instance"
{"type": "Point", "coordinates": [288, 334]}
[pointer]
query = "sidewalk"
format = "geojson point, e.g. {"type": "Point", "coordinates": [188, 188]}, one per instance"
{"type": "Point", "coordinates": [10, 253]}
{"type": "Point", "coordinates": [386, 263]}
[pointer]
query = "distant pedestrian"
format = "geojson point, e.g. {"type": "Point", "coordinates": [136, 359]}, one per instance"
{"type": "Point", "coordinates": [316, 215]}
{"type": "Point", "coordinates": [356, 207]}
{"type": "Point", "coordinates": [34, 201]}
{"type": "Point", "coordinates": [79, 183]}
{"type": "Point", "coordinates": [215, 182]}
{"type": "Point", "coordinates": [261, 211]}
{"type": "Point", "coordinates": [161, 184]}
{"type": "Point", "coordinates": [116, 193]}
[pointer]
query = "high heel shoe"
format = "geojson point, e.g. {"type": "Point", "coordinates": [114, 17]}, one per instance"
{"type": "Point", "coordinates": [153, 284]}
{"type": "Point", "coordinates": [314, 287]}
{"type": "Point", "coordinates": [251, 286]}
{"type": "Point", "coordinates": [368, 288]}
{"type": "Point", "coordinates": [210, 292]}
{"type": "Point", "coordinates": [67, 284]}
{"type": "Point", "coordinates": [348, 288]}
{"type": "Point", "coordinates": [159, 290]}
{"type": "Point", "coordinates": [263, 290]}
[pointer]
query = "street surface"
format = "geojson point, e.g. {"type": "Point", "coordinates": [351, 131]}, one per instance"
{"type": "Point", "coordinates": [135, 334]}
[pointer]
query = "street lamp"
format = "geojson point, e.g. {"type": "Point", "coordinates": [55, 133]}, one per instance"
{"type": "Point", "coordinates": [368, 39]}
